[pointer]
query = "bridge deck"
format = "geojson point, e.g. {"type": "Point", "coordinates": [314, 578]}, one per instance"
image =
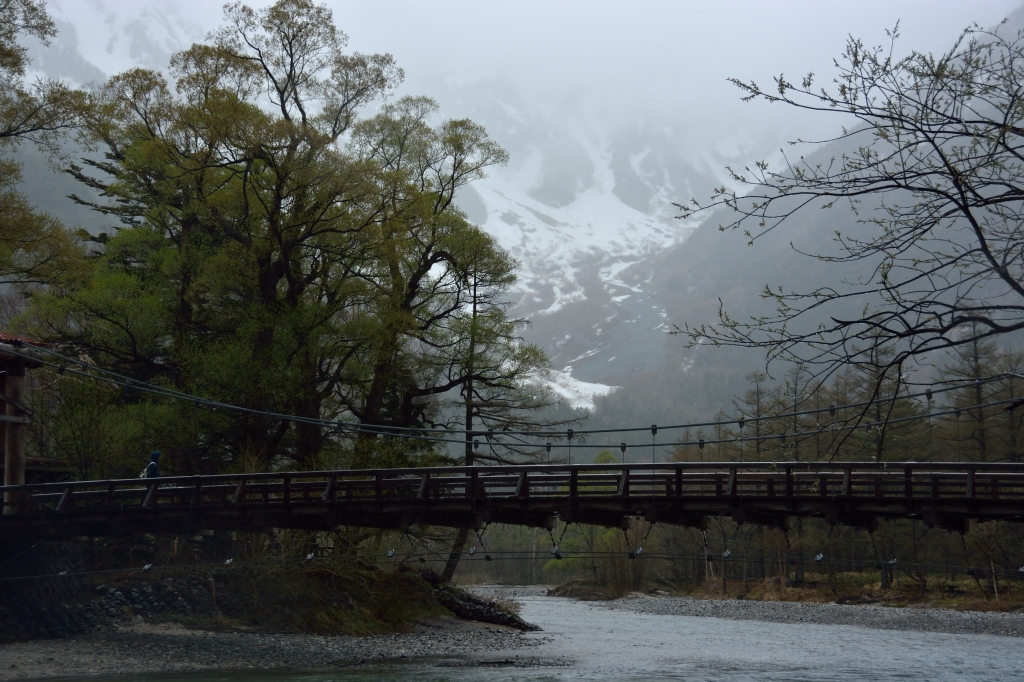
{"type": "Point", "coordinates": [858, 494]}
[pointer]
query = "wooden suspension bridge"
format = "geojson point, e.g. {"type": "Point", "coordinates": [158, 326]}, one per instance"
{"type": "Point", "coordinates": [944, 495]}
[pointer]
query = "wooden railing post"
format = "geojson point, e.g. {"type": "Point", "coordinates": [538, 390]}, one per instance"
{"type": "Point", "coordinates": [574, 492]}
{"type": "Point", "coordinates": [149, 501]}
{"type": "Point", "coordinates": [65, 502]}
{"type": "Point", "coordinates": [331, 491]}
{"type": "Point", "coordinates": [239, 497]}
{"type": "Point", "coordinates": [523, 486]}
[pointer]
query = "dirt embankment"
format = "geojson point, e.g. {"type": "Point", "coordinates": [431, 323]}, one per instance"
{"type": "Point", "coordinates": [202, 622]}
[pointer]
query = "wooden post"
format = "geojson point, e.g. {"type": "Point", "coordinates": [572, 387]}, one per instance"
{"type": "Point", "coordinates": [14, 452]}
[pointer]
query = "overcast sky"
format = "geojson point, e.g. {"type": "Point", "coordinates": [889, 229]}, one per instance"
{"type": "Point", "coordinates": [612, 59]}
{"type": "Point", "coordinates": [646, 53]}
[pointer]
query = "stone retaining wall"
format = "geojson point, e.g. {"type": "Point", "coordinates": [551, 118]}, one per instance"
{"type": "Point", "coordinates": [35, 599]}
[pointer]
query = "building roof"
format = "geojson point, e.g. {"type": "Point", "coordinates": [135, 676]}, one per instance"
{"type": "Point", "coordinates": [14, 340]}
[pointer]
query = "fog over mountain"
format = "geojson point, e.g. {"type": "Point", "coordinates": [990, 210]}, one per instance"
{"type": "Point", "coordinates": [611, 111]}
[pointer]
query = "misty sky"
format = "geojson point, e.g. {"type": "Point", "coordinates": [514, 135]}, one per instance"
{"type": "Point", "coordinates": [647, 55]}
{"type": "Point", "coordinates": [614, 59]}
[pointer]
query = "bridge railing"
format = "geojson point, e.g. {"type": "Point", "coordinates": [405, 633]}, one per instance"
{"type": "Point", "coordinates": [764, 480]}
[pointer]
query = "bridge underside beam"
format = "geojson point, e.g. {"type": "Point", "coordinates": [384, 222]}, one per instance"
{"type": "Point", "coordinates": [952, 514]}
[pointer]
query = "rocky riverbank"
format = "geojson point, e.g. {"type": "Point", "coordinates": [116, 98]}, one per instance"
{"type": "Point", "coordinates": [143, 648]}
{"type": "Point", "coordinates": [871, 616]}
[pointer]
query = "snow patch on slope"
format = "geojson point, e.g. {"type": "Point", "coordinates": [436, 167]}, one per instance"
{"type": "Point", "coordinates": [115, 36]}
{"type": "Point", "coordinates": [579, 394]}
{"type": "Point", "coordinates": [553, 243]}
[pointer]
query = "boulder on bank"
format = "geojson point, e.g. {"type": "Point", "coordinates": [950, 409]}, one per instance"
{"type": "Point", "coordinates": [470, 607]}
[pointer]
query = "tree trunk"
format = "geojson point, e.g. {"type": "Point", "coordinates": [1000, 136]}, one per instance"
{"type": "Point", "coordinates": [455, 555]}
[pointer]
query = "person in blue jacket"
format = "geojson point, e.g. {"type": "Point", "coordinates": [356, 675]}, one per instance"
{"type": "Point", "coordinates": [153, 468]}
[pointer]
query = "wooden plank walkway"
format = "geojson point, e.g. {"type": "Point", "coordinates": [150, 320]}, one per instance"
{"type": "Point", "coordinates": [946, 495]}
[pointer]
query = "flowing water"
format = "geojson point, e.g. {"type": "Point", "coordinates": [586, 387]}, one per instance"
{"type": "Point", "coordinates": [611, 645]}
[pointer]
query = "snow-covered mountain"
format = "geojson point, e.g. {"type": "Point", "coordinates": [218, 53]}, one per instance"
{"type": "Point", "coordinates": [585, 204]}
{"type": "Point", "coordinates": [98, 38]}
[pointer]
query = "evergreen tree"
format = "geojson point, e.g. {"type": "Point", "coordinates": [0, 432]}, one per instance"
{"type": "Point", "coordinates": [972, 430]}
{"type": "Point", "coordinates": [1007, 433]}
{"type": "Point", "coordinates": [890, 427]}
{"type": "Point", "coordinates": [751, 408]}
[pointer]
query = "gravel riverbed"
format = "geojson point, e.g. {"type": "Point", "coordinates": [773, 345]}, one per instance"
{"type": "Point", "coordinates": [155, 648]}
{"type": "Point", "coordinates": [439, 642]}
{"type": "Point", "coordinates": [871, 616]}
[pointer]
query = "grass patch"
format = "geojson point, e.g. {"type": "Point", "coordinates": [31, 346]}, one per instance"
{"type": "Point", "coordinates": [337, 598]}
{"type": "Point", "coordinates": [865, 588]}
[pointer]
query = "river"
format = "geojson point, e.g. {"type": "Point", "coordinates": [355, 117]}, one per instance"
{"type": "Point", "coordinates": [586, 641]}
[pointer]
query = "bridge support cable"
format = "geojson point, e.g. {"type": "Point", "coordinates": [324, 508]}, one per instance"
{"type": "Point", "coordinates": [708, 567]}
{"type": "Point", "coordinates": [820, 556]}
{"type": "Point", "coordinates": [728, 552]}
{"type": "Point", "coordinates": [640, 550]}
{"type": "Point", "coordinates": [629, 545]}
{"type": "Point", "coordinates": [480, 539]}
{"type": "Point", "coordinates": [44, 356]}
{"type": "Point", "coordinates": [556, 546]}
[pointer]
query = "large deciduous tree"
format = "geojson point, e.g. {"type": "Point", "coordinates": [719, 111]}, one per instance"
{"type": "Point", "coordinates": [275, 252]}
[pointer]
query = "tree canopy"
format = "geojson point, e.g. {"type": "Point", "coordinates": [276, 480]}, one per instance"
{"type": "Point", "coordinates": [34, 247]}
{"type": "Point", "coordinates": [930, 165]}
{"type": "Point", "coordinates": [273, 250]}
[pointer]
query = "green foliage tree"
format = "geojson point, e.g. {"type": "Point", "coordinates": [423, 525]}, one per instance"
{"type": "Point", "coordinates": [34, 247]}
{"type": "Point", "coordinates": [275, 252]}
{"type": "Point", "coordinates": [43, 110]}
